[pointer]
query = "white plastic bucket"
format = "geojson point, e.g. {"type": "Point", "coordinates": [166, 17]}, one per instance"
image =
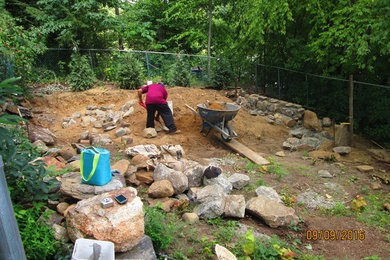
{"type": "Point", "coordinates": [170, 104]}
{"type": "Point", "coordinates": [83, 250]}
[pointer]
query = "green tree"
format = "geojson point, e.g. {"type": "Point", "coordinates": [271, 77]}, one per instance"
{"type": "Point", "coordinates": [81, 76]}
{"type": "Point", "coordinates": [81, 23]}
{"type": "Point", "coordinates": [129, 72]}
{"type": "Point", "coordinates": [179, 74]}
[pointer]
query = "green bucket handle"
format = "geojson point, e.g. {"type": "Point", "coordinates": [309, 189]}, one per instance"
{"type": "Point", "coordinates": [94, 165]}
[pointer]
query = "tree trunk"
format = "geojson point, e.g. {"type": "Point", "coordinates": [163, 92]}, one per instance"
{"type": "Point", "coordinates": [120, 40]}
{"type": "Point", "coordinates": [209, 37]}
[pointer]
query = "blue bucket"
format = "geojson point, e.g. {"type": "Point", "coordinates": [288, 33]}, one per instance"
{"type": "Point", "coordinates": [95, 166]}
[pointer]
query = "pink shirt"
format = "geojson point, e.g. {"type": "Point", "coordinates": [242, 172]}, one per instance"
{"type": "Point", "coordinates": [157, 94]}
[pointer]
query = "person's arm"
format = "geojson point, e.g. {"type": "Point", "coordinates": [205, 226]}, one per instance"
{"type": "Point", "coordinates": [165, 94]}
{"type": "Point", "coordinates": [140, 92]}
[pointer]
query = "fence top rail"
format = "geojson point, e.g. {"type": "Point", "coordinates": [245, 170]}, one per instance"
{"type": "Point", "coordinates": [210, 57]}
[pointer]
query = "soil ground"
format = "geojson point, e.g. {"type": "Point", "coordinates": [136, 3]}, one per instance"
{"type": "Point", "coordinates": [260, 136]}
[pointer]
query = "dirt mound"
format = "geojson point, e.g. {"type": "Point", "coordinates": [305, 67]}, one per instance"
{"type": "Point", "coordinates": [258, 134]}
{"type": "Point", "coordinates": [216, 106]}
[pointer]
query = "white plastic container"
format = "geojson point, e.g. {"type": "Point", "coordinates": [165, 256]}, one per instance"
{"type": "Point", "coordinates": [83, 250]}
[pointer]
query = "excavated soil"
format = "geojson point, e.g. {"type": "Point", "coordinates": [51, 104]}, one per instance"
{"type": "Point", "coordinates": [254, 132]}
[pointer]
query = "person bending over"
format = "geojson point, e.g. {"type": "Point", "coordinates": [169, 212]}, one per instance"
{"type": "Point", "coordinates": [156, 100]}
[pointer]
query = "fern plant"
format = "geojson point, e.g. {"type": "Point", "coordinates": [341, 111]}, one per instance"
{"type": "Point", "coordinates": [81, 76]}
{"type": "Point", "coordinates": [129, 72]}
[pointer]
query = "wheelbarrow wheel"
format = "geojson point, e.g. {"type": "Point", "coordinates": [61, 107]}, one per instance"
{"type": "Point", "coordinates": [225, 137]}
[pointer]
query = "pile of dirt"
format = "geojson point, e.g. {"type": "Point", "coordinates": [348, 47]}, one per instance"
{"type": "Point", "coordinates": [260, 136]}
{"type": "Point", "coordinates": [215, 106]}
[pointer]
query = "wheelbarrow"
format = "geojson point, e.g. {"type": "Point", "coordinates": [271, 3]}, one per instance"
{"type": "Point", "coordinates": [217, 119]}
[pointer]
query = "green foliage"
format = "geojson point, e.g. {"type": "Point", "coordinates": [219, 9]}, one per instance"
{"type": "Point", "coordinates": [221, 74]}
{"type": "Point", "coordinates": [179, 74]}
{"type": "Point", "coordinates": [375, 214]}
{"type": "Point", "coordinates": [160, 227]}
{"type": "Point", "coordinates": [24, 179]}
{"type": "Point", "coordinates": [37, 237]}
{"type": "Point", "coordinates": [81, 76]}
{"type": "Point", "coordinates": [276, 168]}
{"type": "Point", "coordinates": [8, 89]}
{"type": "Point", "coordinates": [129, 72]}
{"type": "Point", "coordinates": [19, 45]}
{"type": "Point", "coordinates": [82, 24]}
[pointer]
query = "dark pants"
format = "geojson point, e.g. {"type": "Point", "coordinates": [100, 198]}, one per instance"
{"type": "Point", "coordinates": [164, 111]}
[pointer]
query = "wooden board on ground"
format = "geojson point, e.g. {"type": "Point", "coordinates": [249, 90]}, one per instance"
{"type": "Point", "coordinates": [245, 151]}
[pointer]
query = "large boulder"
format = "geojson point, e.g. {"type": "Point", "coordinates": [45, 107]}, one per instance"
{"type": "Point", "coordinates": [178, 179]}
{"type": "Point", "coordinates": [121, 224]}
{"type": "Point", "coordinates": [239, 180]}
{"type": "Point", "coordinates": [41, 133]}
{"type": "Point", "coordinates": [194, 175]}
{"type": "Point", "coordinates": [234, 206]}
{"type": "Point", "coordinates": [212, 202]}
{"type": "Point", "coordinates": [71, 186]}
{"type": "Point", "coordinates": [311, 121]}
{"type": "Point", "coordinates": [143, 250]}
{"type": "Point", "coordinates": [272, 212]}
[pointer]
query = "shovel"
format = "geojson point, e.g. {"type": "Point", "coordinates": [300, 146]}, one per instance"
{"type": "Point", "coordinates": [157, 118]}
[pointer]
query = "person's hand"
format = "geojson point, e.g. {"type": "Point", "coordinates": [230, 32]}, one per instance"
{"type": "Point", "coordinates": [142, 104]}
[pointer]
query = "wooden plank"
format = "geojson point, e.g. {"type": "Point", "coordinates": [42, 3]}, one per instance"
{"type": "Point", "coordinates": [245, 151]}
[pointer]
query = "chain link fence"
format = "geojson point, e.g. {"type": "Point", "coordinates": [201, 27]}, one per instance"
{"type": "Point", "coordinates": [326, 95]}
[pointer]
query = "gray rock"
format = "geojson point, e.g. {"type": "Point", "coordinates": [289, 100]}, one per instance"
{"type": "Point", "coordinates": [41, 133]}
{"type": "Point", "coordinates": [342, 150]}
{"type": "Point", "coordinates": [109, 128]}
{"type": "Point", "coordinates": [314, 200]}
{"type": "Point", "coordinates": [71, 186]}
{"type": "Point", "coordinates": [128, 105]}
{"type": "Point", "coordinates": [269, 193]}
{"type": "Point", "coordinates": [76, 115]}
{"type": "Point", "coordinates": [239, 180]}
{"type": "Point", "coordinates": [84, 135]}
{"type": "Point", "coordinates": [128, 112]}
{"type": "Point", "coordinates": [194, 175]}
{"type": "Point", "coordinates": [101, 139]}
{"type": "Point", "coordinates": [178, 179]}
{"type": "Point", "coordinates": [149, 132]}
{"type": "Point", "coordinates": [143, 250]}
{"type": "Point", "coordinates": [41, 146]}
{"type": "Point", "coordinates": [60, 233]}
{"type": "Point", "coordinates": [127, 139]}
{"type": "Point", "coordinates": [234, 206]}
{"type": "Point", "coordinates": [220, 180]}
{"type": "Point", "coordinates": [122, 131]}
{"type": "Point", "coordinates": [325, 174]}
{"type": "Point", "coordinates": [273, 213]}
{"type": "Point", "coordinates": [91, 107]}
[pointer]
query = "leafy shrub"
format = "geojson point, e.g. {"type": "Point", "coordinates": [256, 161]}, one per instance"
{"type": "Point", "coordinates": [81, 76]}
{"type": "Point", "coordinates": [129, 72]}
{"type": "Point", "coordinates": [24, 179]}
{"type": "Point", "coordinates": [160, 227]}
{"type": "Point", "coordinates": [179, 74]}
{"type": "Point", "coordinates": [37, 237]}
{"type": "Point", "coordinates": [221, 74]}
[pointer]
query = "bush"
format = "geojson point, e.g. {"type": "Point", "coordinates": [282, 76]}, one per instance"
{"type": "Point", "coordinates": [179, 74]}
{"type": "Point", "coordinates": [160, 227]}
{"type": "Point", "coordinates": [37, 237]}
{"type": "Point", "coordinates": [81, 76]}
{"type": "Point", "coordinates": [129, 72]}
{"type": "Point", "coordinates": [221, 74]}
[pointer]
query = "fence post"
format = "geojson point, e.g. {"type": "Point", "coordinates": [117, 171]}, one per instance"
{"type": "Point", "coordinates": [147, 64]}
{"type": "Point", "coordinates": [279, 81]}
{"type": "Point", "coordinates": [307, 91]}
{"type": "Point", "coordinates": [256, 84]}
{"type": "Point", "coordinates": [90, 59]}
{"type": "Point", "coordinates": [351, 108]}
{"type": "Point", "coordinates": [11, 247]}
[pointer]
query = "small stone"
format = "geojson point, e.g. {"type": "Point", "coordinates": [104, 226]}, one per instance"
{"type": "Point", "coordinates": [190, 218]}
{"type": "Point", "coordinates": [375, 185]}
{"type": "Point", "coordinates": [387, 206]}
{"type": "Point", "coordinates": [324, 174]}
{"type": "Point", "coordinates": [98, 124]}
{"type": "Point", "coordinates": [122, 131]}
{"type": "Point", "coordinates": [365, 168]}
{"type": "Point", "coordinates": [109, 128]}
{"type": "Point", "coordinates": [342, 150]}
{"type": "Point", "coordinates": [61, 208]}
{"type": "Point", "coordinates": [111, 106]}
{"type": "Point", "coordinates": [126, 139]}
{"type": "Point", "coordinates": [145, 177]}
{"type": "Point", "coordinates": [149, 133]}
{"type": "Point", "coordinates": [84, 135]}
{"type": "Point", "coordinates": [280, 154]}
{"type": "Point", "coordinates": [76, 115]}
{"type": "Point", "coordinates": [125, 124]}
